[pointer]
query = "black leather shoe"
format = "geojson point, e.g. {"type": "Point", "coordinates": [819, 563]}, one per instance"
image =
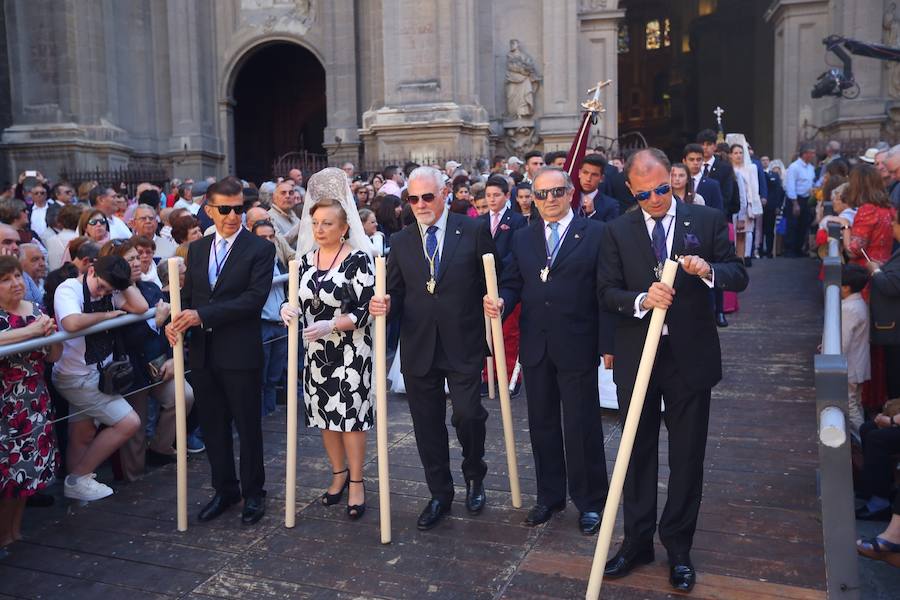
{"type": "Point", "coordinates": [432, 514]}
{"type": "Point", "coordinates": [254, 509]}
{"type": "Point", "coordinates": [475, 496]}
{"type": "Point", "coordinates": [627, 558]}
{"type": "Point", "coordinates": [720, 320]}
{"type": "Point", "coordinates": [541, 513]}
{"type": "Point", "coordinates": [217, 506]}
{"type": "Point", "coordinates": [589, 522]}
{"type": "Point", "coordinates": [682, 575]}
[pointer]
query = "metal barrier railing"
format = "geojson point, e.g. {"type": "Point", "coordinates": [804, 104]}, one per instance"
{"type": "Point", "coordinates": [835, 474]}
{"type": "Point", "coordinates": [113, 323]}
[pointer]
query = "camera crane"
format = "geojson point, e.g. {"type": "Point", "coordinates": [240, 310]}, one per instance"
{"type": "Point", "coordinates": [839, 82]}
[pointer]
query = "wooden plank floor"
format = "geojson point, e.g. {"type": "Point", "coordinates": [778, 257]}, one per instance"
{"type": "Point", "coordinates": [759, 532]}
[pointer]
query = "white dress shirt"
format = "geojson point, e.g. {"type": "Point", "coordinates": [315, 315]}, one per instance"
{"type": "Point", "coordinates": [118, 230]}
{"type": "Point", "coordinates": [562, 230]}
{"type": "Point", "coordinates": [223, 257]}
{"type": "Point", "coordinates": [441, 225]}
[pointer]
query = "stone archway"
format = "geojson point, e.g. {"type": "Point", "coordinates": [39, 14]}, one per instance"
{"type": "Point", "coordinates": [279, 106]}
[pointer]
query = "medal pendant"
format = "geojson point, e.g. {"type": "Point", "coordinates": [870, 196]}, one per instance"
{"type": "Point", "coordinates": [545, 273]}
{"type": "Point", "coordinates": [316, 303]}
{"type": "Point", "coordinates": [657, 271]}
{"type": "Point", "coordinates": [429, 287]}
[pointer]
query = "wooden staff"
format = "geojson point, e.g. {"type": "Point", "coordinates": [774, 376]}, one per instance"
{"type": "Point", "coordinates": [623, 457]}
{"type": "Point", "coordinates": [381, 418]}
{"type": "Point", "coordinates": [490, 276]}
{"type": "Point", "coordinates": [180, 407]}
{"type": "Point", "coordinates": [488, 363]}
{"type": "Point", "coordinates": [290, 478]}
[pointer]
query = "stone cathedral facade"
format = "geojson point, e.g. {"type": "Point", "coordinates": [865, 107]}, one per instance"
{"type": "Point", "coordinates": [204, 86]}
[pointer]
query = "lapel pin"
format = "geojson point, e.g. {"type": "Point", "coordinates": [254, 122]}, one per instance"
{"type": "Point", "coordinates": [577, 236]}
{"type": "Point", "coordinates": [687, 223]}
{"type": "Point", "coordinates": [457, 232]}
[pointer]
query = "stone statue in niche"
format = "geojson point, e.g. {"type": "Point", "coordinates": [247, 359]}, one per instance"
{"type": "Point", "coordinates": [890, 26]}
{"type": "Point", "coordinates": [520, 140]}
{"type": "Point", "coordinates": [522, 82]}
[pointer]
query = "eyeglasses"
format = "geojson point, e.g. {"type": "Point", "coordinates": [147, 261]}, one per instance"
{"type": "Point", "coordinates": [97, 222]}
{"type": "Point", "coordinates": [227, 209]}
{"type": "Point", "coordinates": [38, 193]}
{"type": "Point", "coordinates": [558, 192]}
{"type": "Point", "coordinates": [662, 190]}
{"type": "Point", "coordinates": [429, 197]}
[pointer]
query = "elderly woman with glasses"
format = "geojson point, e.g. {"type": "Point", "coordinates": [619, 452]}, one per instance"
{"type": "Point", "coordinates": [94, 225]}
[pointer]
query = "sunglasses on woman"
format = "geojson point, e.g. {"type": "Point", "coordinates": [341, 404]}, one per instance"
{"type": "Point", "coordinates": [557, 192]}
{"type": "Point", "coordinates": [96, 222]}
{"type": "Point", "coordinates": [660, 191]}
{"type": "Point", "coordinates": [226, 209]}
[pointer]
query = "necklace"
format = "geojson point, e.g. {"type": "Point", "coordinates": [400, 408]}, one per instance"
{"type": "Point", "coordinates": [431, 284]}
{"type": "Point", "coordinates": [317, 280]}
{"type": "Point", "coordinates": [551, 253]}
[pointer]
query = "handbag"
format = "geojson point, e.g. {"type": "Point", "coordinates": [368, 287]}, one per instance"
{"type": "Point", "coordinates": [117, 376]}
{"type": "Point", "coordinates": [154, 367]}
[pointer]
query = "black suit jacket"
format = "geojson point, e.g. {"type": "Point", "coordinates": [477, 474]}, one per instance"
{"type": "Point", "coordinates": [509, 223]}
{"type": "Point", "coordinates": [562, 316]}
{"type": "Point", "coordinates": [711, 192]}
{"type": "Point", "coordinates": [614, 185]}
{"type": "Point", "coordinates": [605, 208]}
{"type": "Point", "coordinates": [723, 172]}
{"type": "Point", "coordinates": [230, 336]}
{"type": "Point", "coordinates": [627, 270]}
{"type": "Point", "coordinates": [454, 313]}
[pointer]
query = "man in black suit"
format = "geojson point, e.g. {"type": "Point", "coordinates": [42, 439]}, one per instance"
{"type": "Point", "coordinates": [229, 275]}
{"type": "Point", "coordinates": [594, 203]}
{"type": "Point", "coordinates": [553, 272]}
{"type": "Point", "coordinates": [435, 285]}
{"type": "Point", "coordinates": [614, 186]}
{"type": "Point", "coordinates": [688, 362]}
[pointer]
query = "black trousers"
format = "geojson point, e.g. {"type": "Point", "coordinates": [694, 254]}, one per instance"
{"type": "Point", "coordinates": [572, 445]}
{"type": "Point", "coordinates": [797, 226]}
{"type": "Point", "coordinates": [767, 245]}
{"type": "Point", "coordinates": [224, 398]}
{"type": "Point", "coordinates": [879, 448]}
{"type": "Point", "coordinates": [687, 421]}
{"type": "Point", "coordinates": [428, 408]}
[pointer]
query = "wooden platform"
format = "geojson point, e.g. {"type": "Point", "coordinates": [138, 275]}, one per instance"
{"type": "Point", "coordinates": [759, 533]}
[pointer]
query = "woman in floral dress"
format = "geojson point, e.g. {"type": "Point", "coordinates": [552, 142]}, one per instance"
{"type": "Point", "coordinates": [28, 454]}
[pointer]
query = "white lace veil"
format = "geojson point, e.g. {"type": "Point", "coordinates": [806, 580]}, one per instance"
{"type": "Point", "coordinates": [332, 183]}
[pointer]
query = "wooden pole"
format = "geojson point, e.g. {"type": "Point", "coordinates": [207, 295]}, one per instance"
{"type": "Point", "coordinates": [488, 363]}
{"type": "Point", "coordinates": [626, 444]}
{"type": "Point", "coordinates": [381, 417]}
{"type": "Point", "coordinates": [490, 276]}
{"type": "Point", "coordinates": [290, 478]}
{"type": "Point", "coordinates": [180, 407]}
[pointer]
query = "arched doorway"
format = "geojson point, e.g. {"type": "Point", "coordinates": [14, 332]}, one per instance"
{"type": "Point", "coordinates": [279, 95]}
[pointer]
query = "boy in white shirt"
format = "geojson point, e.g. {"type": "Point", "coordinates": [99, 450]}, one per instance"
{"type": "Point", "coordinates": [855, 339]}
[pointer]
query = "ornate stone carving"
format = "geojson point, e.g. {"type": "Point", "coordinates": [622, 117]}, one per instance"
{"type": "Point", "coordinates": [521, 138]}
{"type": "Point", "coordinates": [890, 26]}
{"type": "Point", "coordinates": [592, 5]}
{"type": "Point", "coordinates": [522, 82]}
{"type": "Point", "coordinates": [279, 14]}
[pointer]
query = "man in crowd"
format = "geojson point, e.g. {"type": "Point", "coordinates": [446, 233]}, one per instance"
{"type": "Point", "coordinates": [229, 275]}
{"type": "Point", "coordinates": [284, 252]}
{"type": "Point", "coordinates": [594, 203]}
{"type": "Point", "coordinates": [450, 167]}
{"type": "Point", "coordinates": [798, 183]}
{"type": "Point", "coordinates": [688, 362]}
{"type": "Point", "coordinates": [39, 206]}
{"type": "Point", "coordinates": [563, 338]}
{"type": "Point", "coordinates": [104, 199]}
{"type": "Point", "coordinates": [349, 168]}
{"type": "Point", "coordinates": [144, 223]}
{"type": "Point", "coordinates": [513, 165]}
{"type": "Point", "coordinates": [393, 180]}
{"type": "Point", "coordinates": [707, 187]}
{"type": "Point", "coordinates": [556, 159]}
{"type": "Point", "coordinates": [534, 162]}
{"type": "Point", "coordinates": [34, 270]}
{"type": "Point", "coordinates": [442, 336]}
{"type": "Point", "coordinates": [282, 214]}
{"type": "Point", "coordinates": [185, 196]}
{"type": "Point", "coordinates": [67, 222]}
{"type": "Point", "coordinates": [892, 166]}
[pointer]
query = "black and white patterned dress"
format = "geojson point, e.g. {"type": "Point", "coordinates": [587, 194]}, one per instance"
{"type": "Point", "coordinates": [338, 367]}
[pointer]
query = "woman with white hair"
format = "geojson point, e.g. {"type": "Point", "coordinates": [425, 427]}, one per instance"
{"type": "Point", "coordinates": [336, 283]}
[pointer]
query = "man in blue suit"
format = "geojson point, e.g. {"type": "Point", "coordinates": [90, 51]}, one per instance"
{"type": "Point", "coordinates": [553, 272]}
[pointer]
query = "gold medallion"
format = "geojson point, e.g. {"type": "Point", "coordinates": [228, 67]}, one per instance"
{"type": "Point", "coordinates": [431, 285]}
{"type": "Point", "coordinates": [545, 273]}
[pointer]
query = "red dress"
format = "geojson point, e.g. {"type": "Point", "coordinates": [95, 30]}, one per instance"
{"type": "Point", "coordinates": [28, 453]}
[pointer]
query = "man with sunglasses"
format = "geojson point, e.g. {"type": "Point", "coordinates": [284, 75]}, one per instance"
{"type": "Point", "coordinates": [435, 282]}
{"type": "Point", "coordinates": [552, 272]}
{"type": "Point", "coordinates": [688, 363]}
{"type": "Point", "coordinates": [229, 275]}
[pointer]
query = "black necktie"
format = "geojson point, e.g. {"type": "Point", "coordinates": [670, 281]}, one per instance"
{"type": "Point", "coordinates": [659, 240]}
{"type": "Point", "coordinates": [706, 170]}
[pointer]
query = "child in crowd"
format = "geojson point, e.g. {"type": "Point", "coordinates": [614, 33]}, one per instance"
{"type": "Point", "coordinates": [855, 339]}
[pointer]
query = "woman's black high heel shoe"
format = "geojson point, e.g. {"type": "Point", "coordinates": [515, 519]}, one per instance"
{"type": "Point", "coordinates": [330, 499]}
{"type": "Point", "coordinates": [356, 511]}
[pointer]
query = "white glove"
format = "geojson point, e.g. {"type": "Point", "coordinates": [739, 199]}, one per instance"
{"type": "Point", "coordinates": [318, 330]}
{"type": "Point", "coordinates": [288, 314]}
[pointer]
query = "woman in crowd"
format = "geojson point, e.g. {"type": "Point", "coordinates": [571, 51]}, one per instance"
{"type": "Point", "coordinates": [146, 248]}
{"type": "Point", "coordinates": [884, 306]}
{"type": "Point", "coordinates": [362, 195]}
{"type": "Point", "coordinates": [377, 182]}
{"type": "Point", "coordinates": [370, 226]}
{"type": "Point", "coordinates": [336, 284]}
{"type": "Point", "coordinates": [67, 221]}
{"type": "Point", "coordinates": [683, 185]}
{"type": "Point", "coordinates": [872, 233]}
{"type": "Point", "coordinates": [747, 177]}
{"type": "Point", "coordinates": [388, 216]}
{"type": "Point", "coordinates": [844, 213]}
{"type": "Point", "coordinates": [93, 225]}
{"type": "Point", "coordinates": [462, 200]}
{"type": "Point", "coordinates": [523, 201]}
{"type": "Point", "coordinates": [28, 452]}
{"type": "Point", "coordinates": [185, 229]}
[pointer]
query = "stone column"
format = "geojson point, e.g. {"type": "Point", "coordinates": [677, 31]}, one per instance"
{"type": "Point", "coordinates": [341, 134]}
{"type": "Point", "coordinates": [598, 60]}
{"type": "Point", "coordinates": [429, 107]}
{"type": "Point", "coordinates": [800, 26]}
{"type": "Point", "coordinates": [560, 117]}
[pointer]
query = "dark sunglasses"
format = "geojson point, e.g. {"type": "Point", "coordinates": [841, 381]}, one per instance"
{"type": "Point", "coordinates": [424, 197]}
{"type": "Point", "coordinates": [97, 222]}
{"type": "Point", "coordinates": [226, 209]}
{"type": "Point", "coordinates": [38, 193]}
{"type": "Point", "coordinates": [660, 191]}
{"type": "Point", "coordinates": [558, 192]}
